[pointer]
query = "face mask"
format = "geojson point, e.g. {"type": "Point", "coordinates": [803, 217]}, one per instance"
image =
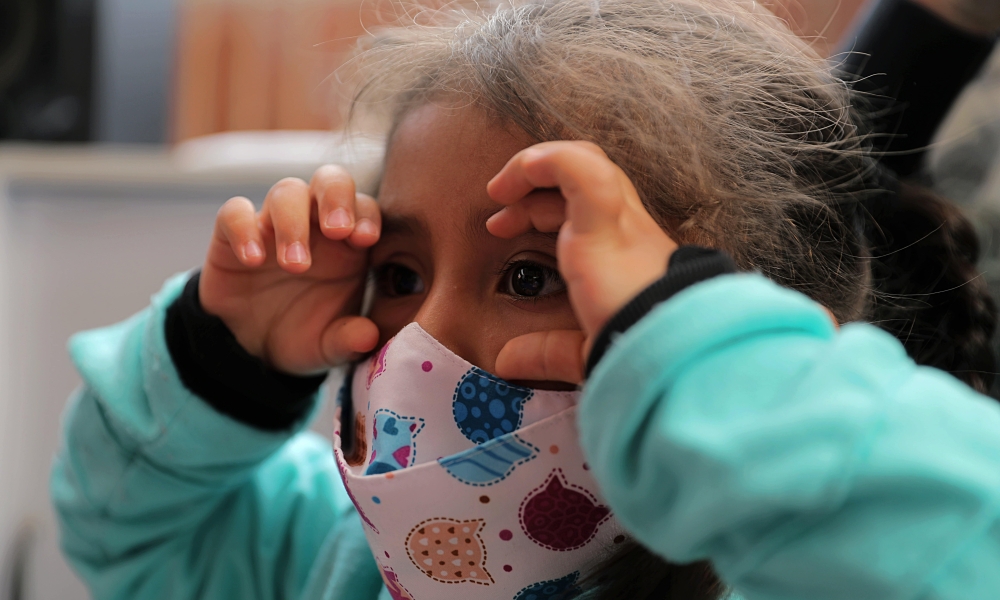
{"type": "Point", "coordinates": [468, 486]}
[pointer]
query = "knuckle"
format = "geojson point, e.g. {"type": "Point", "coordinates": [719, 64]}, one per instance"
{"type": "Point", "coordinates": [330, 172]}
{"type": "Point", "coordinates": [232, 207]}
{"type": "Point", "coordinates": [288, 185]}
{"type": "Point", "coordinates": [607, 177]}
{"type": "Point", "coordinates": [591, 147]}
{"type": "Point", "coordinates": [331, 181]}
{"type": "Point", "coordinates": [365, 203]}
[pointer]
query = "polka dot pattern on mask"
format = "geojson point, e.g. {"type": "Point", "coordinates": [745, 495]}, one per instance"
{"type": "Point", "coordinates": [486, 407]}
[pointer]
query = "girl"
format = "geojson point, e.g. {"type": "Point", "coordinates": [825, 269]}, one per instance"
{"type": "Point", "coordinates": [544, 163]}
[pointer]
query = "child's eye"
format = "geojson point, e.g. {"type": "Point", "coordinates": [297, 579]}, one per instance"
{"type": "Point", "coordinates": [395, 280]}
{"type": "Point", "coordinates": [532, 280]}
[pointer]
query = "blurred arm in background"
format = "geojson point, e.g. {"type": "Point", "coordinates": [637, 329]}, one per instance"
{"type": "Point", "coordinates": [978, 17]}
{"type": "Point", "coordinates": [913, 59]}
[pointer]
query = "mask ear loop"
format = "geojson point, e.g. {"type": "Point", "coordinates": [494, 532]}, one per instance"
{"type": "Point", "coordinates": [346, 403]}
{"type": "Point", "coordinates": [344, 398]}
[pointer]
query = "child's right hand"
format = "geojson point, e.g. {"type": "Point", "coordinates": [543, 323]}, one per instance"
{"type": "Point", "coordinates": [288, 281]}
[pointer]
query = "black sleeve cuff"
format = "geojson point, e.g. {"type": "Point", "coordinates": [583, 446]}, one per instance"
{"type": "Point", "coordinates": [688, 266]}
{"type": "Point", "coordinates": [213, 366]}
{"type": "Point", "coordinates": [914, 64]}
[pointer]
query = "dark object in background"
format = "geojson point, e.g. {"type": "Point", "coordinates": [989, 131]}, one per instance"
{"type": "Point", "coordinates": [12, 577]}
{"type": "Point", "coordinates": [46, 67]}
{"type": "Point", "coordinates": [912, 64]}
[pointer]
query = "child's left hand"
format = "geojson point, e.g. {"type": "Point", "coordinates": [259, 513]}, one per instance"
{"type": "Point", "coordinates": [609, 247]}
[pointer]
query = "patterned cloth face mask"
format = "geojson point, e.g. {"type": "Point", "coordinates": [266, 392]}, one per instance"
{"type": "Point", "coordinates": [468, 486]}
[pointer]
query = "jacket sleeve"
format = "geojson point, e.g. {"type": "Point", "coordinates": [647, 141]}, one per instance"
{"type": "Point", "coordinates": [160, 496]}
{"type": "Point", "coordinates": [735, 423]}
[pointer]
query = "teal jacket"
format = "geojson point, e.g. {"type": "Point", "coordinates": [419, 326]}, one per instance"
{"type": "Point", "coordinates": [733, 423]}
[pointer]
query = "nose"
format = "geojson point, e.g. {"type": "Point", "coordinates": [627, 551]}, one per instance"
{"type": "Point", "coordinates": [449, 314]}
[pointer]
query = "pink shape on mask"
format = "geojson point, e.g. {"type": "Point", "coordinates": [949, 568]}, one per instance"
{"type": "Point", "coordinates": [560, 516]}
{"type": "Point", "coordinates": [377, 365]}
{"type": "Point", "coordinates": [395, 589]}
{"type": "Point", "coordinates": [402, 456]}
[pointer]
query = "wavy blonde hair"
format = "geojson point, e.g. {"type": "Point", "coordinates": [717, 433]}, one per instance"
{"type": "Point", "coordinates": [736, 134]}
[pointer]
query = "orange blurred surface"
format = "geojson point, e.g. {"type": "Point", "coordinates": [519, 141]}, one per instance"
{"type": "Point", "coordinates": [269, 64]}
{"type": "Point", "coordinates": [260, 64]}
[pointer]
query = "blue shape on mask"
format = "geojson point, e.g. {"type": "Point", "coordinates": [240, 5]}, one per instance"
{"type": "Point", "coordinates": [379, 467]}
{"type": "Point", "coordinates": [393, 446]}
{"type": "Point", "coordinates": [563, 588]}
{"type": "Point", "coordinates": [486, 407]}
{"type": "Point", "coordinates": [489, 463]}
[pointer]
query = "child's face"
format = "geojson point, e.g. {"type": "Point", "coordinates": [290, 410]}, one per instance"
{"type": "Point", "coordinates": [436, 263]}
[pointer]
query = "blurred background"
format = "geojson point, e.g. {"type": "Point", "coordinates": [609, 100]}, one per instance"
{"type": "Point", "coordinates": [125, 124]}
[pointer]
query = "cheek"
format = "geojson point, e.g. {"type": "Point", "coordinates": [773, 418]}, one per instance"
{"type": "Point", "coordinates": [476, 328]}
{"type": "Point", "coordinates": [519, 318]}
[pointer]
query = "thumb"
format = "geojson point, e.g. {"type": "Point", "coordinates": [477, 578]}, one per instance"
{"type": "Point", "coordinates": [543, 356]}
{"type": "Point", "coordinates": [347, 339]}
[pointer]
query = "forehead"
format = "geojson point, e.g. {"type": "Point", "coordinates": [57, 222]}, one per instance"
{"type": "Point", "coordinates": [441, 156]}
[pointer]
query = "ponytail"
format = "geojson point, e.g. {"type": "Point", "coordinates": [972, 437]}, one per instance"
{"type": "Point", "coordinates": [635, 573]}
{"type": "Point", "coordinates": [927, 290]}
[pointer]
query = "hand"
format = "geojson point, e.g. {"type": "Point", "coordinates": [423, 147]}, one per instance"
{"type": "Point", "coordinates": [609, 247]}
{"type": "Point", "coordinates": [288, 282]}
{"type": "Point", "coordinates": [979, 17]}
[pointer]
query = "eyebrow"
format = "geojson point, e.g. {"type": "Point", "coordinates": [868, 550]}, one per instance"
{"type": "Point", "coordinates": [403, 225]}
{"type": "Point", "coordinates": [476, 232]}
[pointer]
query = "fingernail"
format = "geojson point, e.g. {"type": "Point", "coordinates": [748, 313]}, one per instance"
{"type": "Point", "coordinates": [366, 227]}
{"type": "Point", "coordinates": [338, 219]}
{"type": "Point", "coordinates": [296, 254]}
{"type": "Point", "coordinates": [252, 250]}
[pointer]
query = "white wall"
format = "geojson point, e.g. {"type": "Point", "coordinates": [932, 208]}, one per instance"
{"type": "Point", "coordinates": [11, 502]}
{"type": "Point", "coordinates": [75, 263]}
{"type": "Point", "coordinates": [79, 263]}
{"type": "Point", "coordinates": [86, 236]}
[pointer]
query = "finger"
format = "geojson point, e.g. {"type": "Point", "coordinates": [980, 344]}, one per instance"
{"type": "Point", "coordinates": [595, 189]}
{"type": "Point", "coordinates": [333, 188]}
{"type": "Point", "coordinates": [513, 182]}
{"type": "Point", "coordinates": [369, 222]}
{"type": "Point", "coordinates": [543, 210]}
{"type": "Point", "coordinates": [543, 356]}
{"type": "Point", "coordinates": [348, 339]}
{"type": "Point", "coordinates": [288, 207]}
{"type": "Point", "coordinates": [236, 225]}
